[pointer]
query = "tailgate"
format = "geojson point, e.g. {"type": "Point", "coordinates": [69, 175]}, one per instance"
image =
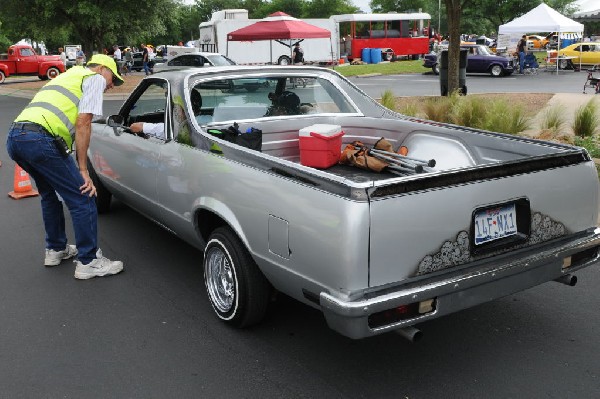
{"type": "Point", "coordinates": [424, 227]}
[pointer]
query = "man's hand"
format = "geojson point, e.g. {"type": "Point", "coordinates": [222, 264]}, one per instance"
{"type": "Point", "coordinates": [88, 186]}
{"type": "Point", "coordinates": [137, 127]}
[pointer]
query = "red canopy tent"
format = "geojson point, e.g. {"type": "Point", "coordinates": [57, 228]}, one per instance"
{"type": "Point", "coordinates": [279, 26]}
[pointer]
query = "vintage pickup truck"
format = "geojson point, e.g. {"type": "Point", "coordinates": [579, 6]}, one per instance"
{"type": "Point", "coordinates": [374, 251]}
{"type": "Point", "coordinates": [21, 59]}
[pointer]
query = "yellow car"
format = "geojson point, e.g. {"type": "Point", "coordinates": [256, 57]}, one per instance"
{"type": "Point", "coordinates": [536, 41]}
{"type": "Point", "coordinates": [587, 53]}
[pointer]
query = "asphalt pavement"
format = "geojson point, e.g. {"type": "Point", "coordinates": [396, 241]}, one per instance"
{"type": "Point", "coordinates": [150, 333]}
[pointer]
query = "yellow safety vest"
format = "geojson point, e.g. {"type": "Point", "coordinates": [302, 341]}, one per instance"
{"type": "Point", "coordinates": [55, 106]}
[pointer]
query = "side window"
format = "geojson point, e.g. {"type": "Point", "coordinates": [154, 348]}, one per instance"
{"type": "Point", "coordinates": [150, 107]}
{"type": "Point", "coordinates": [26, 52]}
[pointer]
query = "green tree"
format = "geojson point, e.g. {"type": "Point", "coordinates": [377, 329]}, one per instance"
{"type": "Point", "coordinates": [92, 23]}
{"type": "Point", "coordinates": [294, 8]}
{"type": "Point", "coordinates": [327, 8]}
{"type": "Point", "coordinates": [381, 6]}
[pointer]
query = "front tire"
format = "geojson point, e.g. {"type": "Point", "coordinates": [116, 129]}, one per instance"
{"type": "Point", "coordinates": [52, 72]}
{"type": "Point", "coordinates": [2, 77]}
{"type": "Point", "coordinates": [496, 71]}
{"type": "Point", "coordinates": [436, 69]}
{"type": "Point", "coordinates": [237, 290]}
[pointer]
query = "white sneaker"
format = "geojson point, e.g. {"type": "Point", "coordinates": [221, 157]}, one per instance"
{"type": "Point", "coordinates": [99, 267]}
{"type": "Point", "coordinates": [54, 258]}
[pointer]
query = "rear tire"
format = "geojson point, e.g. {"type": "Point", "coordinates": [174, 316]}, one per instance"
{"type": "Point", "coordinates": [436, 69]}
{"type": "Point", "coordinates": [237, 290]}
{"type": "Point", "coordinates": [563, 64]}
{"type": "Point", "coordinates": [284, 60]}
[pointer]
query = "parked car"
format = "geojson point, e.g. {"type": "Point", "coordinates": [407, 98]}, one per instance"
{"type": "Point", "coordinates": [253, 179]}
{"type": "Point", "coordinates": [197, 59]}
{"type": "Point", "coordinates": [479, 60]}
{"type": "Point", "coordinates": [138, 64]}
{"type": "Point", "coordinates": [536, 41]}
{"type": "Point", "coordinates": [587, 53]}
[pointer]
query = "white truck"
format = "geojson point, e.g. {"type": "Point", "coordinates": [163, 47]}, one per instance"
{"type": "Point", "coordinates": [213, 38]}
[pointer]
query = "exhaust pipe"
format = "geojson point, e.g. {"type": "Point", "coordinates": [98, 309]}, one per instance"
{"type": "Point", "coordinates": [567, 279]}
{"type": "Point", "coordinates": [410, 333]}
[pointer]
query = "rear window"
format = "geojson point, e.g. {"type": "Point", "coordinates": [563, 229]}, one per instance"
{"type": "Point", "coordinates": [265, 97]}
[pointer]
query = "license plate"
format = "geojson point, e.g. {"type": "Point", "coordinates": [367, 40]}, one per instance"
{"type": "Point", "coordinates": [495, 223]}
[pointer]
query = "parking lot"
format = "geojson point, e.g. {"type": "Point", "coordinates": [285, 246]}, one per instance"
{"type": "Point", "coordinates": [150, 332]}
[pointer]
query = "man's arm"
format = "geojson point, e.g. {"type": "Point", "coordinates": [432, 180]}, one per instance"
{"type": "Point", "coordinates": [83, 131]}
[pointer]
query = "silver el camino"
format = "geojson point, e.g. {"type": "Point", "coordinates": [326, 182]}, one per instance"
{"type": "Point", "coordinates": [433, 219]}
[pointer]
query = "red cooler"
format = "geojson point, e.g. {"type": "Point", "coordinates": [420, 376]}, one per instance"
{"type": "Point", "coordinates": [320, 145]}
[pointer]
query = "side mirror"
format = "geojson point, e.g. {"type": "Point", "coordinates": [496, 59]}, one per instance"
{"type": "Point", "coordinates": [116, 122]}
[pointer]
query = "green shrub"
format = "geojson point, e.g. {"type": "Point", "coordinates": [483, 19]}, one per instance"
{"type": "Point", "coordinates": [410, 109]}
{"type": "Point", "coordinates": [504, 118]}
{"type": "Point", "coordinates": [586, 120]}
{"type": "Point", "coordinates": [388, 100]}
{"type": "Point", "coordinates": [437, 109]}
{"type": "Point", "coordinates": [553, 120]}
{"type": "Point", "coordinates": [469, 111]}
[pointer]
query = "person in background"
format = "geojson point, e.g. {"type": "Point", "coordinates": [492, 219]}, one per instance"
{"type": "Point", "coordinates": [63, 56]}
{"type": "Point", "coordinates": [521, 47]}
{"type": "Point", "coordinates": [116, 53]}
{"type": "Point", "coordinates": [128, 60]}
{"type": "Point", "coordinates": [298, 54]}
{"type": "Point", "coordinates": [145, 59]}
{"type": "Point", "coordinates": [79, 56]}
{"type": "Point", "coordinates": [40, 140]}
{"type": "Point", "coordinates": [118, 58]}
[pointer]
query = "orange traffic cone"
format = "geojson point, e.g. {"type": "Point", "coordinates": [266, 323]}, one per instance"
{"type": "Point", "coordinates": [22, 185]}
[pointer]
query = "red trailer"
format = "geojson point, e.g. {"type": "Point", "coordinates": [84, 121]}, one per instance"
{"type": "Point", "coordinates": [396, 34]}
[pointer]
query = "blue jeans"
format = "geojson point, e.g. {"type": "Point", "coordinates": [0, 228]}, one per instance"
{"type": "Point", "coordinates": [37, 154]}
{"type": "Point", "coordinates": [146, 68]}
{"type": "Point", "coordinates": [521, 61]}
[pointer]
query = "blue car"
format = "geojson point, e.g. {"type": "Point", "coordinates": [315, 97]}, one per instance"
{"type": "Point", "coordinates": [479, 60]}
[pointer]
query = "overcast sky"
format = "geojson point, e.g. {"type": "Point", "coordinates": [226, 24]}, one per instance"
{"type": "Point", "coordinates": [362, 4]}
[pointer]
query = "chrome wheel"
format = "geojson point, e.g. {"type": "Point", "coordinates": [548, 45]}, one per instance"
{"type": "Point", "coordinates": [220, 279]}
{"type": "Point", "coordinates": [237, 290]}
{"type": "Point", "coordinates": [496, 71]}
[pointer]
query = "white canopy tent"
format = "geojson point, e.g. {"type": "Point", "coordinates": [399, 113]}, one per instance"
{"type": "Point", "coordinates": [587, 10]}
{"type": "Point", "coordinates": [543, 19]}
